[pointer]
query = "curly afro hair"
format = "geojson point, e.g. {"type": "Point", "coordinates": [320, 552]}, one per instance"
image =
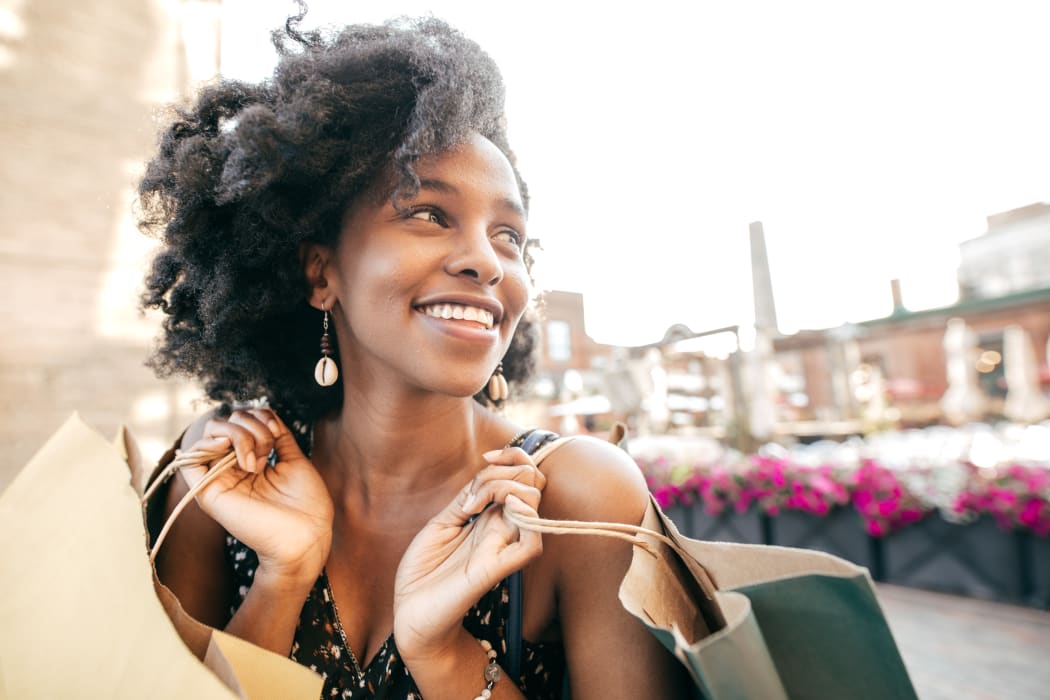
{"type": "Point", "coordinates": [251, 172]}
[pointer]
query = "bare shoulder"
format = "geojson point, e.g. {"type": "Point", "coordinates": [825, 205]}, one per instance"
{"type": "Point", "coordinates": [591, 479]}
{"type": "Point", "coordinates": [195, 431]}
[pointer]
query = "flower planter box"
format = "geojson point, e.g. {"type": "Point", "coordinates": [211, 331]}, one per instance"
{"type": "Point", "coordinates": [728, 526]}
{"type": "Point", "coordinates": [841, 533]}
{"type": "Point", "coordinates": [977, 559]}
{"type": "Point", "coordinates": [1037, 570]}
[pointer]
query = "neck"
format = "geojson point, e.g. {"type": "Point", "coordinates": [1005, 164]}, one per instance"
{"type": "Point", "coordinates": [386, 451]}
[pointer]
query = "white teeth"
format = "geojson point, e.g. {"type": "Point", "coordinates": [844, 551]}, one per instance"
{"type": "Point", "coordinates": [456, 311]}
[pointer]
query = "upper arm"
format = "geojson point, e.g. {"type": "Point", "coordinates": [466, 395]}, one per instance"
{"type": "Point", "coordinates": [592, 480]}
{"type": "Point", "coordinates": [191, 561]}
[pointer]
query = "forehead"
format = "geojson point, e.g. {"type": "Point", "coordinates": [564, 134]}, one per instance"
{"type": "Point", "coordinates": [476, 166]}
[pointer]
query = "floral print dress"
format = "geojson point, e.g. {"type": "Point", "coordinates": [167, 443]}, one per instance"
{"type": "Point", "coordinates": [319, 642]}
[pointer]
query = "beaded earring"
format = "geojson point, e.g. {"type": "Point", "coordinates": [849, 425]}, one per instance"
{"type": "Point", "coordinates": [326, 372]}
{"type": "Point", "coordinates": [497, 389]}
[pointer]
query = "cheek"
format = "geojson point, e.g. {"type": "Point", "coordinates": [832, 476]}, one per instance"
{"type": "Point", "coordinates": [517, 288]}
{"type": "Point", "coordinates": [374, 273]}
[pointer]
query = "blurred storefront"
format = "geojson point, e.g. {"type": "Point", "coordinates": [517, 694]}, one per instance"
{"type": "Point", "coordinates": [892, 372]}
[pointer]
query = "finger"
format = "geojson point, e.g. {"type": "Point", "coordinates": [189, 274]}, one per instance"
{"type": "Point", "coordinates": [284, 439]}
{"type": "Point", "coordinates": [508, 455]}
{"type": "Point", "coordinates": [261, 439]}
{"type": "Point", "coordinates": [529, 544]}
{"type": "Point", "coordinates": [516, 455]}
{"type": "Point", "coordinates": [497, 492]}
{"type": "Point", "coordinates": [522, 473]}
{"type": "Point", "coordinates": [267, 418]}
{"type": "Point", "coordinates": [224, 467]}
{"type": "Point", "coordinates": [218, 444]}
{"type": "Point", "coordinates": [241, 438]}
{"type": "Point", "coordinates": [527, 473]}
{"type": "Point", "coordinates": [261, 434]}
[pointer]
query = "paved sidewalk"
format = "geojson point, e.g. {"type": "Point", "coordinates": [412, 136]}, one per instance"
{"type": "Point", "coordinates": [962, 648]}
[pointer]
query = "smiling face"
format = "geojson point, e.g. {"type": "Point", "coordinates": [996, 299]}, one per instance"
{"type": "Point", "coordinates": [429, 294]}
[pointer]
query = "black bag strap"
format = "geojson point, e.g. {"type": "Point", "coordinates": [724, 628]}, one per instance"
{"type": "Point", "coordinates": [529, 442]}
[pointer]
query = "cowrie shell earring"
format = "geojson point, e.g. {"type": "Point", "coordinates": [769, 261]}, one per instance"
{"type": "Point", "coordinates": [497, 389]}
{"type": "Point", "coordinates": [326, 372]}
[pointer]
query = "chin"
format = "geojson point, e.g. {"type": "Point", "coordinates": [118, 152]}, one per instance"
{"type": "Point", "coordinates": [463, 391]}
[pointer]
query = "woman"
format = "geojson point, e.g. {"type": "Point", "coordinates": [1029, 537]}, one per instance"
{"type": "Point", "coordinates": [361, 215]}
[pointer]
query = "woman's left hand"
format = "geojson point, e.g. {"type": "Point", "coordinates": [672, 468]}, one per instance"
{"type": "Point", "coordinates": [463, 552]}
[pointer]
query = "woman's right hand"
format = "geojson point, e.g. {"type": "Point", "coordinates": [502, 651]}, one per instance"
{"type": "Point", "coordinates": [283, 512]}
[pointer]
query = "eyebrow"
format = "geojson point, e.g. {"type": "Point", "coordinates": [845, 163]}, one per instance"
{"type": "Point", "coordinates": [448, 188]}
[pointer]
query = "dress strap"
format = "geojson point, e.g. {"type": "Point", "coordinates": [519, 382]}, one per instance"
{"type": "Point", "coordinates": [533, 439]}
{"type": "Point", "coordinates": [530, 441]}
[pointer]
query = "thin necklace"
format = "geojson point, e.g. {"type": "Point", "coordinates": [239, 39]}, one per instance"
{"type": "Point", "coordinates": [356, 667]}
{"type": "Point", "coordinates": [339, 628]}
{"type": "Point", "coordinates": [328, 585]}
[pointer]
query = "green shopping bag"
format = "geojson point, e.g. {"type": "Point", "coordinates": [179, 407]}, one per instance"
{"type": "Point", "coordinates": [755, 621]}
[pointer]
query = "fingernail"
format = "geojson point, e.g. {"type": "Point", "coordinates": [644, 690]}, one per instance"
{"type": "Point", "coordinates": [272, 425]}
{"type": "Point", "coordinates": [249, 462]}
{"type": "Point", "coordinates": [492, 454]}
{"type": "Point", "coordinates": [469, 500]}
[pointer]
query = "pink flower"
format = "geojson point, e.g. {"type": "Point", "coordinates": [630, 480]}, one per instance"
{"type": "Point", "coordinates": [1016, 497]}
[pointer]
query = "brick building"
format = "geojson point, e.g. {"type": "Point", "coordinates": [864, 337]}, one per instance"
{"type": "Point", "coordinates": [908, 349]}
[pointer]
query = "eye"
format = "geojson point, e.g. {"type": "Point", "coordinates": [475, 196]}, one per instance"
{"type": "Point", "coordinates": [510, 236]}
{"type": "Point", "coordinates": [429, 214]}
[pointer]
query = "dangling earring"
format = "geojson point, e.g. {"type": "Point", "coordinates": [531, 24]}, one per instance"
{"type": "Point", "coordinates": [498, 390]}
{"type": "Point", "coordinates": [326, 371]}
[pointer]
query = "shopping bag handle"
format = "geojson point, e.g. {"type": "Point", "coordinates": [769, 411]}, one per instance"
{"type": "Point", "coordinates": [639, 536]}
{"type": "Point", "coordinates": [222, 461]}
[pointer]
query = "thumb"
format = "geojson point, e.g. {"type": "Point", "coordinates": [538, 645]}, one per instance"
{"type": "Point", "coordinates": [284, 440]}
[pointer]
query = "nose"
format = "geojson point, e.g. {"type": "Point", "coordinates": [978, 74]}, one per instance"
{"type": "Point", "coordinates": [473, 256]}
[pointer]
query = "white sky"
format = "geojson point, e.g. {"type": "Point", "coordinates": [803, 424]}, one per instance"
{"type": "Point", "coordinates": [869, 138]}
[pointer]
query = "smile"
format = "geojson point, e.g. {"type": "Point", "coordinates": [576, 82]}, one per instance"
{"type": "Point", "coordinates": [459, 312]}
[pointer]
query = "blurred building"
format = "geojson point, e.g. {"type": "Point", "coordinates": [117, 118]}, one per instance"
{"type": "Point", "coordinates": [568, 391]}
{"type": "Point", "coordinates": [1004, 281]}
{"type": "Point", "coordinates": [81, 85]}
{"type": "Point", "coordinates": [1012, 256]}
{"type": "Point", "coordinates": [881, 373]}
{"type": "Point", "coordinates": [906, 351]}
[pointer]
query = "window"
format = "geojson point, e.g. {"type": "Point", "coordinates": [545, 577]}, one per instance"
{"type": "Point", "coordinates": [559, 341]}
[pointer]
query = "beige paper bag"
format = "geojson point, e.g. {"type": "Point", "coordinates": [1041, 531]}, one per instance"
{"type": "Point", "coordinates": [79, 615]}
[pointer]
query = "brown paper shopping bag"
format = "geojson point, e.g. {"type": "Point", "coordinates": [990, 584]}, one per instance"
{"type": "Point", "coordinates": [79, 613]}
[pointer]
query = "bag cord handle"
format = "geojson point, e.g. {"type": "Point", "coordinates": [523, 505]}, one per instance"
{"type": "Point", "coordinates": [189, 458]}
{"type": "Point", "coordinates": [637, 536]}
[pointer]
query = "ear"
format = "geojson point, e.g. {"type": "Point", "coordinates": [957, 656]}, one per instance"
{"type": "Point", "coordinates": [320, 272]}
